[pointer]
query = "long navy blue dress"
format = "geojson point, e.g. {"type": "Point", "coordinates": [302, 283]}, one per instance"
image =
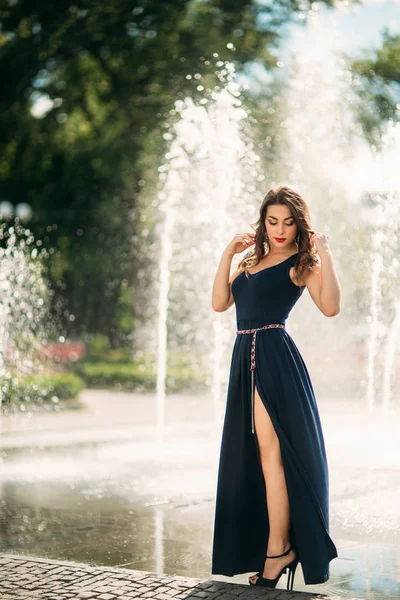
{"type": "Point", "coordinates": [241, 525]}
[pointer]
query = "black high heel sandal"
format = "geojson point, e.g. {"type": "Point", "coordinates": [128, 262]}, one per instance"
{"type": "Point", "coordinates": [271, 583]}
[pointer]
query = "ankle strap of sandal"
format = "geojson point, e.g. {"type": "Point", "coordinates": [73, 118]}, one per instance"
{"type": "Point", "coordinates": [279, 555]}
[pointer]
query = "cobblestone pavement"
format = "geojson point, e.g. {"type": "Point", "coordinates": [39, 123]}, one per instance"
{"type": "Point", "coordinates": [29, 578]}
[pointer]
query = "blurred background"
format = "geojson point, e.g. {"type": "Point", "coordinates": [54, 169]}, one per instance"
{"type": "Point", "coordinates": [137, 138]}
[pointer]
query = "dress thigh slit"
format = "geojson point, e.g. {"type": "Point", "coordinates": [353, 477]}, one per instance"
{"type": "Point", "coordinates": [278, 433]}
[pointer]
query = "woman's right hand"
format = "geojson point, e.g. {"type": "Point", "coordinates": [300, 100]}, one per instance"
{"type": "Point", "coordinates": [240, 242]}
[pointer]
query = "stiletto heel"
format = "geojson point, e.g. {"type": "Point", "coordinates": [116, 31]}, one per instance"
{"type": "Point", "coordinates": [271, 583]}
{"type": "Point", "coordinates": [292, 569]}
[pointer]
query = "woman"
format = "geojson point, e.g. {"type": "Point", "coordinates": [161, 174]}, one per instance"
{"type": "Point", "coordinates": [272, 504]}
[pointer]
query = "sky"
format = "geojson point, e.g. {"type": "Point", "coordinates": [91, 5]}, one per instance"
{"type": "Point", "coordinates": [350, 28]}
{"type": "Point", "coordinates": [347, 29]}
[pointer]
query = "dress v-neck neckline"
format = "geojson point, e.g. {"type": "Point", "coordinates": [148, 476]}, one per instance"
{"type": "Point", "coordinates": [272, 266]}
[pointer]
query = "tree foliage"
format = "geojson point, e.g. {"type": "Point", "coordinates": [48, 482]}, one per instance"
{"type": "Point", "coordinates": [377, 79]}
{"type": "Point", "coordinates": [86, 86]}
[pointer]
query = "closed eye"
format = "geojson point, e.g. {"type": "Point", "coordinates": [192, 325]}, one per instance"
{"type": "Point", "coordinates": [274, 223]}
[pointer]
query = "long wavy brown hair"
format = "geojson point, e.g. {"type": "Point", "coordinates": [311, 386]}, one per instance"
{"type": "Point", "coordinates": [307, 256]}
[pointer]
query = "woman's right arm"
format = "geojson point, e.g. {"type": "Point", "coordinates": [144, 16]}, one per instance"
{"type": "Point", "coordinates": [222, 297]}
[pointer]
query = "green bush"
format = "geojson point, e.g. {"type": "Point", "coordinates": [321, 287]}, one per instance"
{"type": "Point", "coordinates": [137, 377]}
{"type": "Point", "coordinates": [43, 389]}
{"type": "Point", "coordinates": [98, 350]}
{"type": "Point", "coordinates": [97, 347]}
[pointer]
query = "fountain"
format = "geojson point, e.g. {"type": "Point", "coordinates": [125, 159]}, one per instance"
{"type": "Point", "coordinates": [353, 192]}
{"type": "Point", "coordinates": [210, 187]}
{"type": "Point", "coordinates": [211, 181]}
{"type": "Point", "coordinates": [384, 221]}
{"type": "Point", "coordinates": [23, 309]}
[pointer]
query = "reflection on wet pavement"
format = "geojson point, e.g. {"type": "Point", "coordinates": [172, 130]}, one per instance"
{"type": "Point", "coordinates": [134, 503]}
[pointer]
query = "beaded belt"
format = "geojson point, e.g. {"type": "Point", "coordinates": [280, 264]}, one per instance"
{"type": "Point", "coordinates": [253, 359]}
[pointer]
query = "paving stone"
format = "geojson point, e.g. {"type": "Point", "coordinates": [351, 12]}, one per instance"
{"type": "Point", "coordinates": [31, 578]}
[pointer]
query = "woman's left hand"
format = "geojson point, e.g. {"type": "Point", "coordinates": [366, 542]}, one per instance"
{"type": "Point", "coordinates": [320, 242]}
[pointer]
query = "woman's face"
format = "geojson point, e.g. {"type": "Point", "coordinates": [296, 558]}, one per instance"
{"type": "Point", "coordinates": [281, 226]}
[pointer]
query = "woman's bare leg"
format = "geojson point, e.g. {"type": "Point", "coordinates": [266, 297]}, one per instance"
{"type": "Point", "coordinates": [277, 498]}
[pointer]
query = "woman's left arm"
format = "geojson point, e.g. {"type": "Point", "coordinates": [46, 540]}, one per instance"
{"type": "Point", "coordinates": [324, 286]}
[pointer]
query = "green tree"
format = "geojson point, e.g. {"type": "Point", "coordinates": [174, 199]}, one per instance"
{"type": "Point", "coordinates": [377, 80]}
{"type": "Point", "coordinates": [86, 88]}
